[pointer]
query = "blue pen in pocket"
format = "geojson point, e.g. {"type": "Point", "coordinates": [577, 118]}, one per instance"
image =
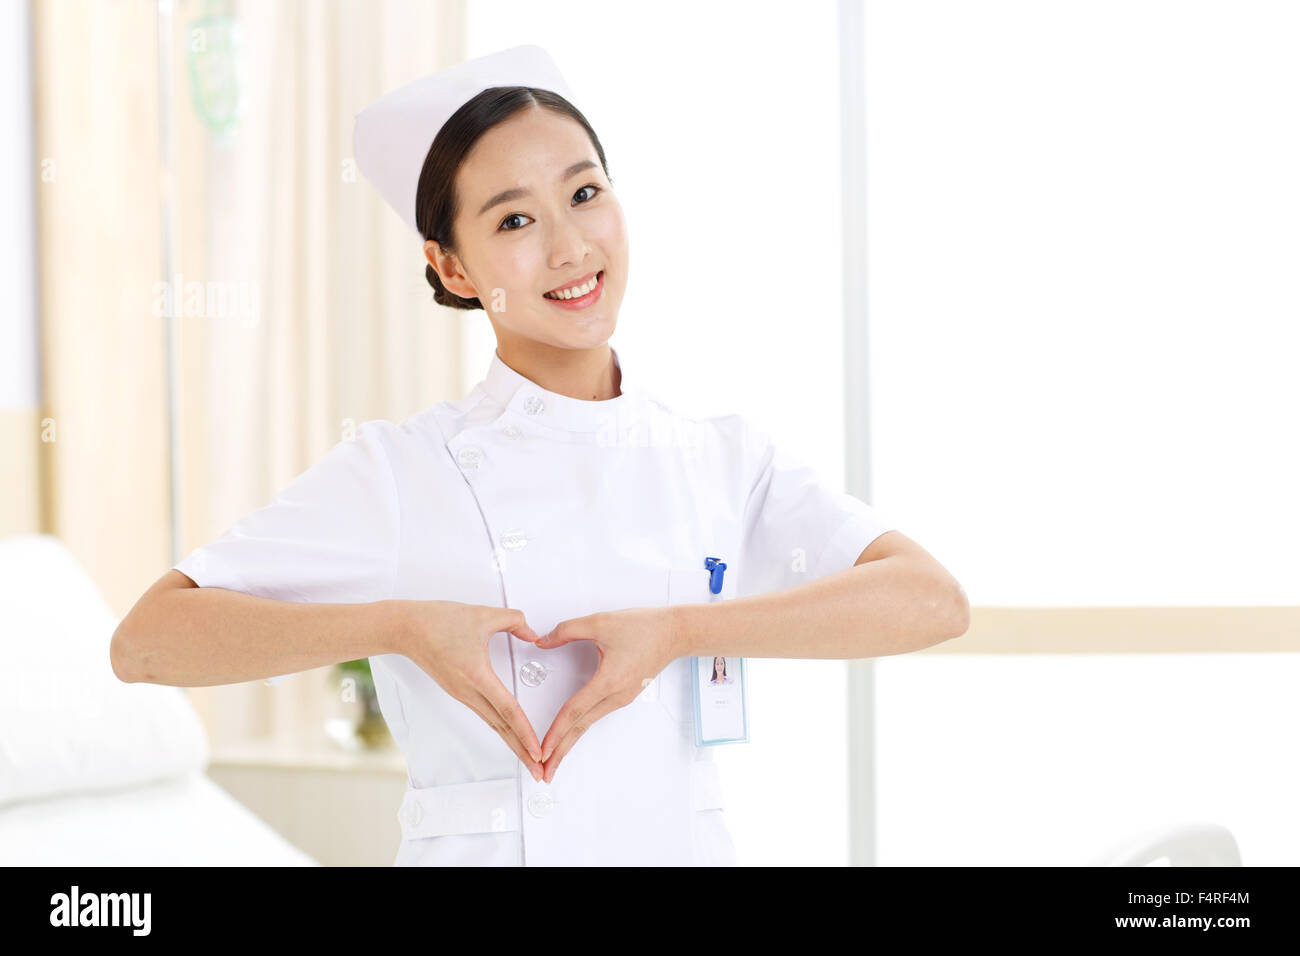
{"type": "Point", "coordinates": [718, 685]}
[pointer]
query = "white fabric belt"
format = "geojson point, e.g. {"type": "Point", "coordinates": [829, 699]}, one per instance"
{"type": "Point", "coordinates": [492, 806]}
{"type": "Point", "coordinates": [483, 806]}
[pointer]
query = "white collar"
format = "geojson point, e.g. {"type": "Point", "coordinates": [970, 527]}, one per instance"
{"type": "Point", "coordinates": [525, 397]}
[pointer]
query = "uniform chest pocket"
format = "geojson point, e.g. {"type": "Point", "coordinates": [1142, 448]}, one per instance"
{"type": "Point", "coordinates": [691, 586]}
{"type": "Point", "coordinates": [671, 690]}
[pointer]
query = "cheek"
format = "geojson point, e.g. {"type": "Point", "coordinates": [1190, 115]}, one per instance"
{"type": "Point", "coordinates": [611, 231]}
{"type": "Point", "coordinates": [613, 243]}
{"type": "Point", "coordinates": [517, 271]}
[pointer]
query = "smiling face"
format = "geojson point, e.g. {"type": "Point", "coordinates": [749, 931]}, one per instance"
{"type": "Point", "coordinates": [535, 214]}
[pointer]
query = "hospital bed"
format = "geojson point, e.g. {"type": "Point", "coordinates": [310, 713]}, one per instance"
{"type": "Point", "coordinates": [94, 771]}
{"type": "Point", "coordinates": [1186, 844]}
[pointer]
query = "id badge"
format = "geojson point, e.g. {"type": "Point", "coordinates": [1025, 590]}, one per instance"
{"type": "Point", "coordinates": [718, 686]}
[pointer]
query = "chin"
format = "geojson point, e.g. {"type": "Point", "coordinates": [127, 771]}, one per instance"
{"type": "Point", "coordinates": [581, 331]}
{"type": "Point", "coordinates": [592, 337]}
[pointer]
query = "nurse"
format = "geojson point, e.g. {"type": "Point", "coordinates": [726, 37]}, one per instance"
{"type": "Point", "coordinates": [524, 566]}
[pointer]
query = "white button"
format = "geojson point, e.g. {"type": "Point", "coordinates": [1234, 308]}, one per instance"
{"type": "Point", "coordinates": [533, 673]}
{"type": "Point", "coordinates": [414, 814]}
{"type": "Point", "coordinates": [469, 456]}
{"type": "Point", "coordinates": [539, 804]}
{"type": "Point", "coordinates": [514, 540]}
{"type": "Point", "coordinates": [511, 431]}
{"type": "Point", "coordinates": [533, 405]}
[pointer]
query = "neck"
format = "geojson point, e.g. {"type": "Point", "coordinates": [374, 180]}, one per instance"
{"type": "Point", "coordinates": [586, 374]}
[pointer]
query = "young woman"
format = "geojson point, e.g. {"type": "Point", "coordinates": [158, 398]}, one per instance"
{"type": "Point", "coordinates": [525, 567]}
{"type": "Point", "coordinates": [719, 675]}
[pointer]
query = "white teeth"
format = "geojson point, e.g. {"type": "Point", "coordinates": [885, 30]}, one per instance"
{"type": "Point", "coordinates": [576, 291]}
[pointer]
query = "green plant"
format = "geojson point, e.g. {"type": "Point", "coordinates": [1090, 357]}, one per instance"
{"type": "Point", "coordinates": [371, 729]}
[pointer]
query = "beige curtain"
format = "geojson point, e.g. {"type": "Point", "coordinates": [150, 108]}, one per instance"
{"type": "Point", "coordinates": [102, 460]}
{"type": "Point", "coordinates": [313, 313]}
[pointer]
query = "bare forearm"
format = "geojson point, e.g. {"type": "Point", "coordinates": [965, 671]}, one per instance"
{"type": "Point", "coordinates": [195, 637]}
{"type": "Point", "coordinates": [890, 606]}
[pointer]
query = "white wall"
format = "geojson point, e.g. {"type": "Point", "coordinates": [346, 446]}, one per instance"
{"type": "Point", "coordinates": [1082, 264]}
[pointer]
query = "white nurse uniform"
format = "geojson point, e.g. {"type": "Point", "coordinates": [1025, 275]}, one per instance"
{"type": "Point", "coordinates": [521, 497]}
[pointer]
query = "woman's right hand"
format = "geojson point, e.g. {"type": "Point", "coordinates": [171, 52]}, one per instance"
{"type": "Point", "coordinates": [449, 642]}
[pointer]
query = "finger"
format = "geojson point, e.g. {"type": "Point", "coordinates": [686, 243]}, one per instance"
{"type": "Point", "coordinates": [483, 707]}
{"type": "Point", "coordinates": [504, 702]}
{"type": "Point", "coordinates": [587, 697]}
{"type": "Point", "coordinates": [574, 629]}
{"type": "Point", "coordinates": [508, 707]}
{"type": "Point", "coordinates": [578, 728]}
{"type": "Point", "coordinates": [512, 621]}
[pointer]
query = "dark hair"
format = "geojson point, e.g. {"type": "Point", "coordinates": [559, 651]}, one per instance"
{"type": "Point", "coordinates": [436, 204]}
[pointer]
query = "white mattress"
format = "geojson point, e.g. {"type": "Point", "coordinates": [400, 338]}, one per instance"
{"type": "Point", "coordinates": [184, 821]}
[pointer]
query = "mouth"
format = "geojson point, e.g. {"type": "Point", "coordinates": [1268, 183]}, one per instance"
{"type": "Point", "coordinates": [580, 294]}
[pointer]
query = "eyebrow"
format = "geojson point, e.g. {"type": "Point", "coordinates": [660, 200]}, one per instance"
{"type": "Point", "coordinates": [509, 194]}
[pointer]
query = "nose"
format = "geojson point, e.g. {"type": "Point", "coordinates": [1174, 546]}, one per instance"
{"type": "Point", "coordinates": [568, 245]}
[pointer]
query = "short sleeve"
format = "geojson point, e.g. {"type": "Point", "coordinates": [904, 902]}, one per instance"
{"type": "Point", "coordinates": [330, 536]}
{"type": "Point", "coordinates": [795, 527]}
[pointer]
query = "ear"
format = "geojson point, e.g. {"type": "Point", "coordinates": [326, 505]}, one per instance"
{"type": "Point", "coordinates": [449, 271]}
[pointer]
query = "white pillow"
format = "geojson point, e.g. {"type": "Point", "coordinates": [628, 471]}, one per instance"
{"type": "Point", "coordinates": [67, 724]}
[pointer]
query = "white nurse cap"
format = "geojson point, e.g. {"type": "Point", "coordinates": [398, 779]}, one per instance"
{"type": "Point", "coordinates": [393, 134]}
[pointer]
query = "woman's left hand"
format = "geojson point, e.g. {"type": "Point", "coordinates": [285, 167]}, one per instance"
{"type": "Point", "coordinates": [634, 646]}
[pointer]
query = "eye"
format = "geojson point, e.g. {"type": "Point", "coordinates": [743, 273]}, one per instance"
{"type": "Point", "coordinates": [504, 224]}
{"type": "Point", "coordinates": [513, 215]}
